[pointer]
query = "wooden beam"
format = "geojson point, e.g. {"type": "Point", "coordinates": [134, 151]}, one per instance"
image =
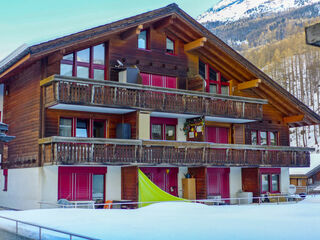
{"type": "Point", "coordinates": [162, 24]}
{"type": "Point", "coordinates": [22, 60]}
{"type": "Point", "coordinates": [195, 44]}
{"type": "Point", "coordinates": [293, 119]}
{"type": "Point", "coordinates": [246, 85]}
{"type": "Point", "coordinates": [131, 32]}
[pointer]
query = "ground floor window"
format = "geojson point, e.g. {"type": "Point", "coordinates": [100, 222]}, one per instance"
{"type": "Point", "coordinates": [81, 183]}
{"type": "Point", "coordinates": [270, 180]}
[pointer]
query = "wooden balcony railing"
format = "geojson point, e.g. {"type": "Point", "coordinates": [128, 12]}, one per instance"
{"type": "Point", "coordinates": [63, 150]}
{"type": "Point", "coordinates": [71, 90]}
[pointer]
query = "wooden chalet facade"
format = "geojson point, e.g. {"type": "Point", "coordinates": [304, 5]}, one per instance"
{"type": "Point", "coordinates": [156, 91]}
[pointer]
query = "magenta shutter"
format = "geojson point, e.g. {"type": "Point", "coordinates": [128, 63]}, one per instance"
{"type": "Point", "coordinates": [217, 134]}
{"type": "Point", "coordinates": [65, 185]}
{"type": "Point", "coordinates": [211, 133]}
{"type": "Point", "coordinates": [145, 78]}
{"type": "Point", "coordinates": [157, 81]}
{"type": "Point", "coordinates": [223, 135]}
{"type": "Point", "coordinates": [218, 182]}
{"type": "Point", "coordinates": [164, 178]}
{"type": "Point", "coordinates": [83, 189]}
{"type": "Point", "coordinates": [171, 82]}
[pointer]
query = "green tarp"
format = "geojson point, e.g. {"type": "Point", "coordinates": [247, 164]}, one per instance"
{"type": "Point", "coordinates": [149, 192]}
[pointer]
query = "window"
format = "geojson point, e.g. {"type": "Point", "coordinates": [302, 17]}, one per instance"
{"type": "Point", "coordinates": [143, 40]}
{"type": "Point", "coordinates": [82, 128]}
{"type": "Point", "coordinates": [270, 180]}
{"type": "Point", "coordinates": [65, 127]}
{"type": "Point", "coordinates": [215, 82]}
{"type": "Point", "coordinates": [264, 138]}
{"type": "Point", "coordinates": [97, 187]}
{"type": "Point", "coordinates": [163, 128]}
{"type": "Point", "coordinates": [98, 129]}
{"type": "Point", "coordinates": [81, 183]}
{"type": "Point", "coordinates": [156, 132]}
{"type": "Point", "coordinates": [170, 46]}
{"type": "Point", "coordinates": [87, 63]}
{"type": "Point", "coordinates": [265, 183]}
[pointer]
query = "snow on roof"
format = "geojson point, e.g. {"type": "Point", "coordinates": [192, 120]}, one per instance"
{"type": "Point", "coordinates": [314, 162]}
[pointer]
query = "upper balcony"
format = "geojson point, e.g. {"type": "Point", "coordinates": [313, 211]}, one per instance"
{"type": "Point", "coordinates": [70, 150]}
{"type": "Point", "coordinates": [61, 92]}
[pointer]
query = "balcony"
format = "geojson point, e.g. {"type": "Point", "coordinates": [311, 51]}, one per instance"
{"type": "Point", "coordinates": [59, 92]}
{"type": "Point", "coordinates": [64, 150]}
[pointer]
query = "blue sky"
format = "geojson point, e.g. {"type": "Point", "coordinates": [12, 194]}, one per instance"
{"type": "Point", "coordinates": [30, 21]}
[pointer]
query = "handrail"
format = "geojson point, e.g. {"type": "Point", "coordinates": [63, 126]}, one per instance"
{"type": "Point", "coordinates": [168, 143]}
{"type": "Point", "coordinates": [70, 234]}
{"type": "Point", "coordinates": [56, 78]}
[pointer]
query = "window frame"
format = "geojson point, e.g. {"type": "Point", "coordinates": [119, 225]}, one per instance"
{"type": "Point", "coordinates": [89, 127]}
{"type": "Point", "coordinates": [90, 65]}
{"type": "Point", "coordinates": [174, 46]}
{"type": "Point", "coordinates": [164, 122]}
{"type": "Point", "coordinates": [218, 81]}
{"type": "Point", "coordinates": [147, 47]}
{"type": "Point", "coordinates": [270, 172]}
{"type": "Point", "coordinates": [258, 132]}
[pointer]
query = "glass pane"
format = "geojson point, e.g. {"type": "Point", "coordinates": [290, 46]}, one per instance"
{"type": "Point", "coordinates": [213, 88]}
{"type": "Point", "coordinates": [170, 132]}
{"type": "Point", "coordinates": [263, 138]}
{"type": "Point", "coordinates": [82, 72]}
{"type": "Point", "coordinates": [65, 127]}
{"type": "Point", "coordinates": [273, 138]}
{"type": "Point", "coordinates": [97, 187]}
{"type": "Point", "coordinates": [275, 182]}
{"type": "Point", "coordinates": [68, 57]}
{"type": "Point", "coordinates": [83, 55]}
{"type": "Point", "coordinates": [265, 183]}
{"type": "Point", "coordinates": [66, 69]}
{"type": "Point", "coordinates": [156, 131]}
{"type": "Point", "coordinates": [202, 69]}
{"type": "Point", "coordinates": [225, 90]}
{"type": "Point", "coordinates": [98, 129]}
{"type": "Point", "coordinates": [142, 40]}
{"type": "Point", "coordinates": [98, 54]}
{"type": "Point", "coordinates": [81, 130]}
{"type": "Point", "coordinates": [213, 75]}
{"type": "Point", "coordinates": [98, 74]}
{"type": "Point", "coordinates": [254, 139]}
{"type": "Point", "coordinates": [170, 46]}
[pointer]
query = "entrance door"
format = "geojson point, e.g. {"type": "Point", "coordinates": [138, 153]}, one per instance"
{"type": "Point", "coordinates": [218, 182]}
{"type": "Point", "coordinates": [164, 178]}
{"type": "Point", "coordinates": [217, 134]}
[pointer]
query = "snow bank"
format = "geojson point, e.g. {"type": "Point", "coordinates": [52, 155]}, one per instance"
{"type": "Point", "coordinates": [182, 221]}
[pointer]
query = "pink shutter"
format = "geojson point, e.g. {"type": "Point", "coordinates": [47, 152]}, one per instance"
{"type": "Point", "coordinates": [223, 135]}
{"type": "Point", "coordinates": [211, 133]}
{"type": "Point", "coordinates": [157, 81]}
{"type": "Point", "coordinates": [83, 186]}
{"type": "Point", "coordinates": [171, 82]}
{"type": "Point", "coordinates": [146, 78]}
{"type": "Point", "coordinates": [65, 185]}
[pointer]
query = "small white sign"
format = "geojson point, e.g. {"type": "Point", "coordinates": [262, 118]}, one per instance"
{"type": "Point", "coordinates": [191, 134]}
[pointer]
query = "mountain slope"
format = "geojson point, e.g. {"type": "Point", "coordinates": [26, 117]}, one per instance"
{"type": "Point", "coordinates": [233, 10]}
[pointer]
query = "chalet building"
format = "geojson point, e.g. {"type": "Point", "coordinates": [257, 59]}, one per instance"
{"type": "Point", "coordinates": [156, 91]}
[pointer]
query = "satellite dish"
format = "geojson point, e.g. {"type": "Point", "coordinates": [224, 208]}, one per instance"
{"type": "Point", "coordinates": [292, 189]}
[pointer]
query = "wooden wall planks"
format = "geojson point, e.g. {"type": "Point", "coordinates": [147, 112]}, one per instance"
{"type": "Point", "coordinates": [22, 113]}
{"type": "Point", "coordinates": [129, 183]}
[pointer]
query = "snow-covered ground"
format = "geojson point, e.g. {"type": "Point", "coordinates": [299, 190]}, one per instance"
{"type": "Point", "coordinates": [181, 221]}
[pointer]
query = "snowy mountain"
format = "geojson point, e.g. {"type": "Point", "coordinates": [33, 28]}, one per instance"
{"type": "Point", "coordinates": [233, 10]}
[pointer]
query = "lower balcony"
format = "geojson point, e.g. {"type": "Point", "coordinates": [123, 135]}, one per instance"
{"type": "Point", "coordinates": [68, 150]}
